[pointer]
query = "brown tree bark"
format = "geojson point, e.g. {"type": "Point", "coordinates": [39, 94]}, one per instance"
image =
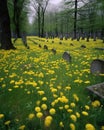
{"type": "Point", "coordinates": [5, 27]}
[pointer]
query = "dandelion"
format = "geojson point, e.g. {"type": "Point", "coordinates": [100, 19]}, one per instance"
{"type": "Point", "coordinates": [48, 121]}
{"type": "Point", "coordinates": [61, 124]}
{"type": "Point", "coordinates": [96, 103]}
{"type": "Point", "coordinates": [70, 110]}
{"type": "Point", "coordinates": [76, 97]}
{"type": "Point", "coordinates": [72, 105]}
{"type": "Point", "coordinates": [87, 82]}
{"type": "Point", "coordinates": [87, 107]}
{"type": "Point", "coordinates": [7, 122]}
{"type": "Point", "coordinates": [44, 99]}
{"type": "Point", "coordinates": [66, 106]}
{"type": "Point", "coordinates": [89, 127]}
{"type": "Point", "coordinates": [77, 114]}
{"type": "Point", "coordinates": [37, 109]}
{"type": "Point", "coordinates": [39, 114]}
{"type": "Point", "coordinates": [84, 113]}
{"type": "Point", "coordinates": [1, 116]}
{"type": "Point", "coordinates": [72, 126]}
{"type": "Point", "coordinates": [44, 106]}
{"type": "Point", "coordinates": [31, 116]}
{"type": "Point", "coordinates": [73, 117]}
{"type": "Point", "coordinates": [52, 111]}
{"type": "Point", "coordinates": [102, 127]}
{"type": "Point", "coordinates": [22, 127]}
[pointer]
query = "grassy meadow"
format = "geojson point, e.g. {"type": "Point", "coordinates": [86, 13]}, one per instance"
{"type": "Point", "coordinates": [39, 90]}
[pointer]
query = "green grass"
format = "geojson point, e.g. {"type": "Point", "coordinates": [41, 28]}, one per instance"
{"type": "Point", "coordinates": [28, 75]}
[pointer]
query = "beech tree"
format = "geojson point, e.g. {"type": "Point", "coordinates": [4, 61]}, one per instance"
{"type": "Point", "coordinates": [5, 31]}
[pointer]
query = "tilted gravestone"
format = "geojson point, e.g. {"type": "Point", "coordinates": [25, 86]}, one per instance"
{"type": "Point", "coordinates": [97, 89]}
{"type": "Point", "coordinates": [40, 46]}
{"type": "Point", "coordinates": [53, 50]}
{"type": "Point", "coordinates": [83, 46]}
{"type": "Point", "coordinates": [45, 47]}
{"type": "Point", "coordinates": [66, 56]}
{"type": "Point", "coordinates": [97, 66]}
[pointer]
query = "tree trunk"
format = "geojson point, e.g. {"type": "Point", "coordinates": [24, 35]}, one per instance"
{"type": "Point", "coordinates": [42, 27]}
{"type": "Point", "coordinates": [5, 26]}
{"type": "Point", "coordinates": [75, 19]}
{"type": "Point", "coordinates": [39, 20]}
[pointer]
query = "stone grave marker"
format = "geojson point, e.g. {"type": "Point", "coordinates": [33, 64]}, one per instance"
{"type": "Point", "coordinates": [97, 66]}
{"type": "Point", "coordinates": [83, 46]}
{"type": "Point", "coordinates": [45, 47]}
{"type": "Point", "coordinates": [53, 50]}
{"type": "Point", "coordinates": [66, 56]}
{"type": "Point", "coordinates": [97, 89]}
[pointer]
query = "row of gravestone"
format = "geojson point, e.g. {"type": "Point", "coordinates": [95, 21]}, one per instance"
{"type": "Point", "coordinates": [96, 67]}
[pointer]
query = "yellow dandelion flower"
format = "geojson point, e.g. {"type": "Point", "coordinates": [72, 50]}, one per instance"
{"type": "Point", "coordinates": [72, 126]}
{"type": "Point", "coordinates": [76, 97]}
{"type": "Point", "coordinates": [61, 124]}
{"type": "Point", "coordinates": [66, 106]}
{"type": "Point", "coordinates": [39, 114]}
{"type": "Point", "coordinates": [48, 121]}
{"type": "Point", "coordinates": [52, 111]}
{"type": "Point", "coordinates": [22, 127]}
{"type": "Point", "coordinates": [87, 107]}
{"type": "Point", "coordinates": [96, 103]}
{"type": "Point", "coordinates": [84, 113]}
{"type": "Point", "coordinates": [44, 106]}
{"type": "Point", "coordinates": [72, 105]}
{"type": "Point", "coordinates": [44, 99]}
{"type": "Point", "coordinates": [102, 127]}
{"type": "Point", "coordinates": [37, 109]}
{"type": "Point", "coordinates": [70, 110]}
{"type": "Point", "coordinates": [77, 114]}
{"type": "Point", "coordinates": [1, 116]}
{"type": "Point", "coordinates": [31, 116]}
{"type": "Point", "coordinates": [89, 127]}
{"type": "Point", "coordinates": [87, 82]}
{"type": "Point", "coordinates": [73, 117]}
{"type": "Point", "coordinates": [7, 122]}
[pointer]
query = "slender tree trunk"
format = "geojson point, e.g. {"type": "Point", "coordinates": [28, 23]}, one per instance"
{"type": "Point", "coordinates": [75, 19]}
{"type": "Point", "coordinates": [42, 31]}
{"type": "Point", "coordinates": [39, 20]}
{"type": "Point", "coordinates": [5, 26]}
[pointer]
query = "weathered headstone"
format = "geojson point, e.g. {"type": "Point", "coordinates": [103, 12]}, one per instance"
{"type": "Point", "coordinates": [60, 42]}
{"type": "Point", "coordinates": [66, 56]}
{"type": "Point", "coordinates": [53, 50]}
{"type": "Point", "coordinates": [97, 66]}
{"type": "Point", "coordinates": [40, 46]}
{"type": "Point", "coordinates": [97, 89]}
{"type": "Point", "coordinates": [71, 44]}
{"type": "Point", "coordinates": [83, 46]}
{"type": "Point", "coordinates": [45, 47]}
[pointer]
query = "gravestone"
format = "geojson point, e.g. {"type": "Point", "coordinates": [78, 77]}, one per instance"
{"type": "Point", "coordinates": [53, 50]}
{"type": "Point", "coordinates": [71, 44]}
{"type": "Point", "coordinates": [60, 42]}
{"type": "Point", "coordinates": [66, 56]}
{"type": "Point", "coordinates": [97, 66]}
{"type": "Point", "coordinates": [83, 46]}
{"type": "Point", "coordinates": [40, 46]}
{"type": "Point", "coordinates": [45, 47]}
{"type": "Point", "coordinates": [97, 89]}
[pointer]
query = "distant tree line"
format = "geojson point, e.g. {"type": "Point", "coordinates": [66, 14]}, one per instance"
{"type": "Point", "coordinates": [75, 19]}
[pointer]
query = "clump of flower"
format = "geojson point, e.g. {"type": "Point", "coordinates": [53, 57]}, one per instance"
{"type": "Point", "coordinates": [89, 127]}
{"type": "Point", "coordinates": [48, 121]}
